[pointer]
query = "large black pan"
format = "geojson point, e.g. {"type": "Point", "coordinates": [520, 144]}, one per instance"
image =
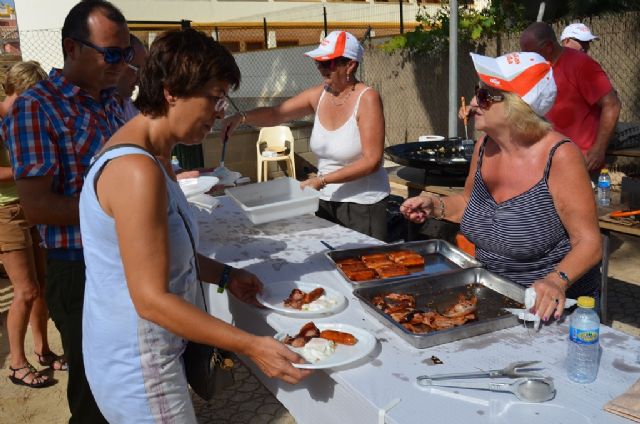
{"type": "Point", "coordinates": [450, 156]}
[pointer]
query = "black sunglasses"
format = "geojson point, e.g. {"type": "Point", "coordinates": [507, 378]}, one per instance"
{"type": "Point", "coordinates": [332, 63]}
{"type": "Point", "coordinates": [112, 55]}
{"type": "Point", "coordinates": [485, 99]}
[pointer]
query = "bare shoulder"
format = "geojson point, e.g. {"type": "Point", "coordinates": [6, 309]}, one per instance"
{"type": "Point", "coordinates": [132, 172]}
{"type": "Point", "coordinates": [567, 152]}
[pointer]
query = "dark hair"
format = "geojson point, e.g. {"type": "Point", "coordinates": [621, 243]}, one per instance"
{"type": "Point", "coordinates": [183, 62]}
{"type": "Point", "coordinates": [541, 31]}
{"type": "Point", "coordinates": [75, 24]}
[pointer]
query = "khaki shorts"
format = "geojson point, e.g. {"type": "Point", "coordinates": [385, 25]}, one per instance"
{"type": "Point", "coordinates": [15, 231]}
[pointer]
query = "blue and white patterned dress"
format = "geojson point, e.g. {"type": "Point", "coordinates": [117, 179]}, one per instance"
{"type": "Point", "coordinates": [133, 366]}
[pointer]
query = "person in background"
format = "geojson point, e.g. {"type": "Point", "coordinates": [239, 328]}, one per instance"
{"type": "Point", "coordinates": [587, 107]}
{"type": "Point", "coordinates": [348, 137]}
{"type": "Point", "coordinates": [130, 78]}
{"type": "Point", "coordinates": [22, 257]}
{"type": "Point", "coordinates": [140, 238]}
{"type": "Point", "coordinates": [577, 36]}
{"type": "Point", "coordinates": [527, 203]}
{"type": "Point", "coordinates": [52, 132]}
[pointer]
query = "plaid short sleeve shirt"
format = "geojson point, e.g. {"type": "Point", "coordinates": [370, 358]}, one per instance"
{"type": "Point", "coordinates": [54, 129]}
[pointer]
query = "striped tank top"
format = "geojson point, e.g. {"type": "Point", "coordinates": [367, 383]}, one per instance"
{"type": "Point", "coordinates": [522, 238]}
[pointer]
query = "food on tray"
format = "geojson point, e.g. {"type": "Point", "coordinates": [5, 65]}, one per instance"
{"type": "Point", "coordinates": [339, 337]}
{"type": "Point", "coordinates": [361, 275]}
{"type": "Point", "coordinates": [393, 270]}
{"type": "Point", "coordinates": [381, 265]}
{"type": "Point", "coordinates": [315, 345]}
{"type": "Point", "coordinates": [298, 299]}
{"type": "Point", "coordinates": [401, 307]}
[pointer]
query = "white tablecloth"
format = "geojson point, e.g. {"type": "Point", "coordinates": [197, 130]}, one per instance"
{"type": "Point", "coordinates": [291, 250]}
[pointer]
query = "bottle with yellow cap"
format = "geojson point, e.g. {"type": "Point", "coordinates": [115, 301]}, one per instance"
{"type": "Point", "coordinates": [584, 348]}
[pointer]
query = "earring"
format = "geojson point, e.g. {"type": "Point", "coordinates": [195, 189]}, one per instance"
{"type": "Point", "coordinates": [348, 77]}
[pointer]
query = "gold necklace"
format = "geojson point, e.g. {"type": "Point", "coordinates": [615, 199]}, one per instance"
{"type": "Point", "coordinates": [344, 99]}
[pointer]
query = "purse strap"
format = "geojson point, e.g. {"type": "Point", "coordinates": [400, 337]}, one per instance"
{"type": "Point", "coordinates": [195, 256]}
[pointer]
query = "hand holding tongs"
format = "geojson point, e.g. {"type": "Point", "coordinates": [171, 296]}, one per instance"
{"type": "Point", "coordinates": [513, 370]}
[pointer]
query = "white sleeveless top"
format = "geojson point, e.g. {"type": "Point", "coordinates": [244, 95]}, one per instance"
{"type": "Point", "coordinates": [340, 147]}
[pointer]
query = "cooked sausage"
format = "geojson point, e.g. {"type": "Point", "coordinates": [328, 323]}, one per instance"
{"type": "Point", "coordinates": [339, 337]}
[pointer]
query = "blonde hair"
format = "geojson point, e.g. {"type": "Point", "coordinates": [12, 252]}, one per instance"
{"type": "Point", "coordinates": [22, 76]}
{"type": "Point", "coordinates": [523, 120]}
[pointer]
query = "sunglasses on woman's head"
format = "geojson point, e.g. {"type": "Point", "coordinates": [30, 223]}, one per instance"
{"type": "Point", "coordinates": [112, 55]}
{"type": "Point", "coordinates": [485, 99]}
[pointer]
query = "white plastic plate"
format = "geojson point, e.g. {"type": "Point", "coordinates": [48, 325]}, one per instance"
{"type": "Point", "coordinates": [273, 296]}
{"type": "Point", "coordinates": [195, 186]}
{"type": "Point", "coordinates": [343, 354]}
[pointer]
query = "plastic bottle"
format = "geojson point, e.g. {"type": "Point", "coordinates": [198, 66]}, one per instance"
{"type": "Point", "coordinates": [604, 188]}
{"type": "Point", "coordinates": [175, 163]}
{"type": "Point", "coordinates": [584, 335]}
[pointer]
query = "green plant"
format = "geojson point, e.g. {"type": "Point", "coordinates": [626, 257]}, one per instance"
{"type": "Point", "coordinates": [431, 36]}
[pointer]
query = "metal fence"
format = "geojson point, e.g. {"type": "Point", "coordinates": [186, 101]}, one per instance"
{"type": "Point", "coordinates": [413, 88]}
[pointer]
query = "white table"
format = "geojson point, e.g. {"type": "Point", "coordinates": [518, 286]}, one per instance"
{"type": "Point", "coordinates": [291, 249]}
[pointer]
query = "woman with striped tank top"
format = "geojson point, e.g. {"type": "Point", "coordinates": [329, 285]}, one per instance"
{"type": "Point", "coordinates": [347, 137]}
{"type": "Point", "coordinates": [527, 203]}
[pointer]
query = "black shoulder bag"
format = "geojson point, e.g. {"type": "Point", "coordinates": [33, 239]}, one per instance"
{"type": "Point", "coordinates": [209, 370]}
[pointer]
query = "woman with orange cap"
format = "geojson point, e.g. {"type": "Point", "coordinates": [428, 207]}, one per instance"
{"type": "Point", "coordinates": [527, 203]}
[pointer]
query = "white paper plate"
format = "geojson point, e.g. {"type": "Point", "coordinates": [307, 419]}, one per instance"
{"type": "Point", "coordinates": [343, 354]}
{"type": "Point", "coordinates": [195, 186]}
{"type": "Point", "coordinates": [273, 296]}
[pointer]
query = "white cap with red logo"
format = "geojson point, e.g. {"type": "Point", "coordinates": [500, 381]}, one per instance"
{"type": "Point", "coordinates": [579, 32]}
{"type": "Point", "coordinates": [338, 44]}
{"type": "Point", "coordinates": [526, 74]}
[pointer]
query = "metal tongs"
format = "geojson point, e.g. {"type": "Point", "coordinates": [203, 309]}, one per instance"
{"type": "Point", "coordinates": [513, 370]}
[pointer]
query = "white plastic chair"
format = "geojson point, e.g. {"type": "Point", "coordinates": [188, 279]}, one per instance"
{"type": "Point", "coordinates": [275, 144]}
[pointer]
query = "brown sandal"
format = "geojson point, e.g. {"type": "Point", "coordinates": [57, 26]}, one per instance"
{"type": "Point", "coordinates": [49, 359]}
{"type": "Point", "coordinates": [36, 382]}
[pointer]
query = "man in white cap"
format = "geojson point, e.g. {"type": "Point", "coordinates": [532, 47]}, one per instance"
{"type": "Point", "coordinates": [587, 106]}
{"type": "Point", "coordinates": [577, 36]}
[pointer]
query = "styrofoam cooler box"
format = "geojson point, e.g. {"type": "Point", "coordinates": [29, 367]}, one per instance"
{"type": "Point", "coordinates": [276, 199]}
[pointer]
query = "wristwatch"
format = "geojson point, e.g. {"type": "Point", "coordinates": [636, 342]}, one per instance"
{"type": "Point", "coordinates": [224, 279]}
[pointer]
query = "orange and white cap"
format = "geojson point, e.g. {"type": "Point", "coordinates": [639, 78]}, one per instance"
{"type": "Point", "coordinates": [338, 44]}
{"type": "Point", "coordinates": [526, 74]}
{"type": "Point", "coordinates": [579, 32]}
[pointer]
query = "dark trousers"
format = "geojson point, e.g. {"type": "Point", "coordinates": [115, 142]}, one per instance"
{"type": "Point", "coordinates": [367, 219]}
{"type": "Point", "coordinates": [64, 295]}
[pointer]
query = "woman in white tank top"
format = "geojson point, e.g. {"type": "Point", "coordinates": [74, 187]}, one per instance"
{"type": "Point", "coordinates": [348, 137]}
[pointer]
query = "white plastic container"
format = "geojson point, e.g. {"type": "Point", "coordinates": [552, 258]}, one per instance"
{"type": "Point", "coordinates": [275, 199]}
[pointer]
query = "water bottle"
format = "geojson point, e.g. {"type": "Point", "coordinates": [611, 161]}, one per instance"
{"type": "Point", "coordinates": [584, 334]}
{"type": "Point", "coordinates": [175, 164]}
{"type": "Point", "coordinates": [604, 188]}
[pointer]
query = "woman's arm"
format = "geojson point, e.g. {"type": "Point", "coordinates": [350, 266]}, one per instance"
{"type": "Point", "coordinates": [297, 107]}
{"type": "Point", "coordinates": [6, 174]}
{"type": "Point", "coordinates": [451, 208]}
{"type": "Point", "coordinates": [574, 201]}
{"type": "Point", "coordinates": [242, 284]}
{"type": "Point", "coordinates": [132, 190]}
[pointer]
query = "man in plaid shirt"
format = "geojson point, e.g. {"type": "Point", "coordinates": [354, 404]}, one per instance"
{"type": "Point", "coordinates": [52, 133]}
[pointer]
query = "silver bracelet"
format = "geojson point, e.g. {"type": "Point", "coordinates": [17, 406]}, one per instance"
{"type": "Point", "coordinates": [442, 211]}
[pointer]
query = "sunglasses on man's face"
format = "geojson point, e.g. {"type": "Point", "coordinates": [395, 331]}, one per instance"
{"type": "Point", "coordinates": [485, 99]}
{"type": "Point", "coordinates": [112, 55]}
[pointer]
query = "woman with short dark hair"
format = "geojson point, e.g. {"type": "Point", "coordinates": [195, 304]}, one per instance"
{"type": "Point", "coordinates": [140, 241]}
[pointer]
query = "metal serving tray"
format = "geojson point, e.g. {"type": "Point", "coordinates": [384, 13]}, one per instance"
{"type": "Point", "coordinates": [440, 257]}
{"type": "Point", "coordinates": [441, 291]}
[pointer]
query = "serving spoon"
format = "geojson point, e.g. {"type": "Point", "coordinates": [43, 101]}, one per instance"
{"type": "Point", "coordinates": [529, 389]}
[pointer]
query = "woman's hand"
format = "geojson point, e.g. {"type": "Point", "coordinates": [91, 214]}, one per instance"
{"type": "Point", "coordinates": [244, 285]}
{"type": "Point", "coordinates": [315, 183]}
{"type": "Point", "coordinates": [230, 123]}
{"type": "Point", "coordinates": [418, 209]}
{"type": "Point", "coordinates": [550, 297]}
{"type": "Point", "coordinates": [275, 359]}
